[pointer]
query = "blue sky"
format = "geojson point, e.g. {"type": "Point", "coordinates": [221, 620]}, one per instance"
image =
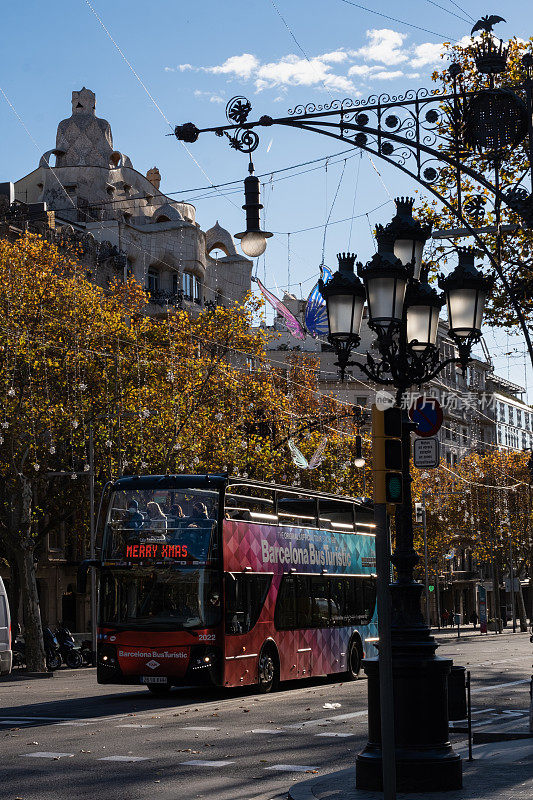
{"type": "Point", "coordinates": [193, 57]}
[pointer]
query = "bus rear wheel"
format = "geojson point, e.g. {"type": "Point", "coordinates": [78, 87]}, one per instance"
{"type": "Point", "coordinates": [268, 669]}
{"type": "Point", "coordinates": [353, 661]}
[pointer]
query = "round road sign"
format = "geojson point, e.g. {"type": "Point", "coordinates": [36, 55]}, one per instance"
{"type": "Point", "coordinates": [427, 413]}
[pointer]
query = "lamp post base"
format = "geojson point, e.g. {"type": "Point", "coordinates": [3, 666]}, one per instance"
{"type": "Point", "coordinates": [425, 760]}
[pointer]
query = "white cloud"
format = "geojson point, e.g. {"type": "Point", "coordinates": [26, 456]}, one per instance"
{"type": "Point", "coordinates": [240, 66]}
{"type": "Point", "coordinates": [384, 58]}
{"type": "Point", "coordinates": [294, 71]}
{"type": "Point", "coordinates": [388, 75]}
{"type": "Point", "coordinates": [384, 46]}
{"type": "Point", "coordinates": [424, 54]}
{"type": "Point", "coordinates": [335, 57]}
{"type": "Point", "coordinates": [211, 96]}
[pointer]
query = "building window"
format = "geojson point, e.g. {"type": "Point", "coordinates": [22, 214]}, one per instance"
{"type": "Point", "coordinates": [511, 415]}
{"type": "Point", "coordinates": [191, 287]}
{"type": "Point", "coordinates": [518, 418]}
{"type": "Point", "coordinates": [152, 280]}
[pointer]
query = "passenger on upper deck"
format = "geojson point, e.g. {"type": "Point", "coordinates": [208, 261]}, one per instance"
{"type": "Point", "coordinates": [157, 522]}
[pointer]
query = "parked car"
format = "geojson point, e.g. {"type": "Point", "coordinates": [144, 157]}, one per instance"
{"type": "Point", "coordinates": [6, 655]}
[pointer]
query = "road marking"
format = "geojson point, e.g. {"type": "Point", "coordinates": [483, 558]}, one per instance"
{"type": "Point", "coordinates": [264, 730]}
{"type": "Point", "coordinates": [327, 720]}
{"type": "Point", "coordinates": [200, 728]}
{"type": "Point", "coordinates": [292, 768]}
{"type": "Point", "coordinates": [199, 763]}
{"type": "Point", "coordinates": [133, 725]}
{"type": "Point", "coordinates": [123, 758]}
{"type": "Point", "coordinates": [13, 722]}
{"type": "Point", "coordinates": [38, 719]}
{"type": "Point", "coordinates": [499, 686]}
{"type": "Point", "coordinates": [333, 733]}
{"type": "Point", "coordinates": [74, 724]}
{"type": "Point", "coordinates": [47, 755]}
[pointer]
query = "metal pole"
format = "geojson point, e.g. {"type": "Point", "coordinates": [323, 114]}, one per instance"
{"type": "Point", "coordinates": [93, 544]}
{"type": "Point", "coordinates": [426, 574]}
{"type": "Point", "coordinates": [469, 707]}
{"type": "Point", "coordinates": [437, 586]}
{"type": "Point", "coordinates": [388, 747]}
{"type": "Point", "coordinates": [511, 576]}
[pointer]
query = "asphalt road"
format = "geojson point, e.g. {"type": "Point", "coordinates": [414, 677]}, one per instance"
{"type": "Point", "coordinates": [67, 738]}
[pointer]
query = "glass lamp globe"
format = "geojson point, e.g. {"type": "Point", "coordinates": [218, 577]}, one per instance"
{"type": "Point", "coordinates": [253, 244]}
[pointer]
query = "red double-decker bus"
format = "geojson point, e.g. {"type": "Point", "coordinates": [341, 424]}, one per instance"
{"type": "Point", "coordinates": [234, 582]}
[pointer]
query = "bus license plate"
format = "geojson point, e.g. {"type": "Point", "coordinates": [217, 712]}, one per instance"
{"type": "Point", "coordinates": [153, 679]}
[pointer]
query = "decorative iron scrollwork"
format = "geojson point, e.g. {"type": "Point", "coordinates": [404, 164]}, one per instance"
{"type": "Point", "coordinates": [245, 140]}
{"type": "Point", "coordinates": [475, 208]}
{"type": "Point", "coordinates": [237, 110]}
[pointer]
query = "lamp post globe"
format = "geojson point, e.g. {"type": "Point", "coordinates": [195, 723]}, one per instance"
{"type": "Point", "coordinates": [253, 239]}
{"type": "Point", "coordinates": [385, 279]}
{"type": "Point", "coordinates": [409, 235]}
{"type": "Point", "coordinates": [466, 290]}
{"type": "Point", "coordinates": [423, 307]}
{"type": "Point", "coordinates": [253, 243]}
{"type": "Point", "coordinates": [345, 297]}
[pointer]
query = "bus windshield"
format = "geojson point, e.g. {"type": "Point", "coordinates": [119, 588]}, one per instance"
{"type": "Point", "coordinates": [161, 525]}
{"type": "Point", "coordinates": [162, 599]}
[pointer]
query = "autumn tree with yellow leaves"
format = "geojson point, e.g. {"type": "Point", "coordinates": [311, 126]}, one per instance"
{"type": "Point", "coordinates": [477, 206]}
{"type": "Point", "coordinates": [477, 507]}
{"type": "Point", "coordinates": [180, 393]}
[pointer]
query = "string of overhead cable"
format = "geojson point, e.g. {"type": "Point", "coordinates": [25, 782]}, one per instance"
{"type": "Point", "coordinates": [462, 9]}
{"type": "Point", "coordinates": [483, 485]}
{"type": "Point", "coordinates": [238, 181]}
{"type": "Point", "coordinates": [152, 99]}
{"type": "Point", "coordinates": [399, 21]}
{"type": "Point", "coordinates": [447, 11]}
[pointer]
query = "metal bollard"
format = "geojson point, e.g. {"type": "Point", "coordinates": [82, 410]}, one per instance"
{"type": "Point", "coordinates": [531, 705]}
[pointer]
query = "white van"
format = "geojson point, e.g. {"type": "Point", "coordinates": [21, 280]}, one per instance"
{"type": "Point", "coordinates": [6, 656]}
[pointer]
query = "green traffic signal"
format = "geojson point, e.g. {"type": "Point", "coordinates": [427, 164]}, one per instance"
{"type": "Point", "coordinates": [393, 487]}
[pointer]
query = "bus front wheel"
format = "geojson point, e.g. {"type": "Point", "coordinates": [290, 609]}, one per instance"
{"type": "Point", "coordinates": [268, 669]}
{"type": "Point", "coordinates": [353, 660]}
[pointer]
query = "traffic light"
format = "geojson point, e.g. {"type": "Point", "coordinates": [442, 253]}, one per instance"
{"type": "Point", "coordinates": [387, 455]}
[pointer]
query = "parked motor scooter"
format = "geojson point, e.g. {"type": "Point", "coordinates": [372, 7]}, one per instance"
{"type": "Point", "coordinates": [51, 648]}
{"type": "Point", "coordinates": [19, 652]}
{"type": "Point", "coordinates": [67, 647]}
{"type": "Point", "coordinates": [86, 651]}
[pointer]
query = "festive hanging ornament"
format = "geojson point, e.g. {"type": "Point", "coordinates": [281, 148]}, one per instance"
{"type": "Point", "coordinates": [82, 387]}
{"type": "Point", "coordinates": [36, 467]}
{"type": "Point", "coordinates": [51, 449]}
{"type": "Point", "coordinates": [5, 425]}
{"type": "Point", "coordinates": [75, 423]}
{"type": "Point", "coordinates": [108, 443]}
{"type": "Point", "coordinates": [11, 392]}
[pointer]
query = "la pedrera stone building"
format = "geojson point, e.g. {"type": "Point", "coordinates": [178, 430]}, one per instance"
{"type": "Point", "coordinates": [85, 191]}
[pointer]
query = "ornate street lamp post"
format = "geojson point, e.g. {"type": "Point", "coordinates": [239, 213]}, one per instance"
{"type": "Point", "coordinates": [404, 312]}
{"type": "Point", "coordinates": [345, 298]}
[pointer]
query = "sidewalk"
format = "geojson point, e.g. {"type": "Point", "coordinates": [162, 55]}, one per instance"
{"type": "Point", "coordinates": [499, 771]}
{"type": "Point", "coordinates": [468, 631]}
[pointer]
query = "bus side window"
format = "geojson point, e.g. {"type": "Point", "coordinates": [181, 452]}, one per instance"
{"type": "Point", "coordinates": [320, 604]}
{"type": "Point", "coordinates": [338, 601]}
{"type": "Point", "coordinates": [245, 597]}
{"type": "Point", "coordinates": [285, 616]}
{"type": "Point", "coordinates": [369, 599]}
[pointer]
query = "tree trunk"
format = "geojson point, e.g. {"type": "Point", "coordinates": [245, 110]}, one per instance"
{"type": "Point", "coordinates": [14, 600]}
{"type": "Point", "coordinates": [33, 631]}
{"type": "Point", "coordinates": [521, 608]}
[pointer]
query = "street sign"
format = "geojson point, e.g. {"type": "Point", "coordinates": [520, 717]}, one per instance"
{"type": "Point", "coordinates": [426, 453]}
{"type": "Point", "coordinates": [427, 413]}
{"type": "Point", "coordinates": [482, 600]}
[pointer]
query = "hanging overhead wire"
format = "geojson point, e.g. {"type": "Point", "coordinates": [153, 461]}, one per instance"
{"type": "Point", "coordinates": [400, 21]}
{"type": "Point", "coordinates": [446, 10]}
{"type": "Point", "coordinates": [354, 199]}
{"type": "Point", "coordinates": [330, 212]}
{"type": "Point", "coordinates": [157, 106]}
